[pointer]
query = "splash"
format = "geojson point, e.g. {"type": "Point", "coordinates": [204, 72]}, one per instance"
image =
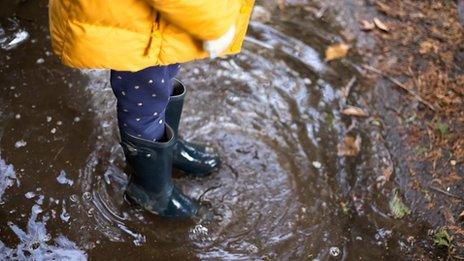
{"type": "Point", "coordinates": [7, 177]}
{"type": "Point", "coordinates": [34, 243]}
{"type": "Point", "coordinates": [62, 179]}
{"type": "Point", "coordinates": [14, 37]}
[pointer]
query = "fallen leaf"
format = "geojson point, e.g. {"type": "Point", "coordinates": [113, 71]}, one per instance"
{"type": "Point", "coordinates": [367, 25]}
{"type": "Point", "coordinates": [449, 216]}
{"type": "Point", "coordinates": [461, 216]}
{"type": "Point", "coordinates": [336, 51]}
{"type": "Point", "coordinates": [383, 7]}
{"type": "Point", "coordinates": [428, 46]}
{"type": "Point", "coordinates": [380, 25]}
{"type": "Point", "coordinates": [386, 174]}
{"type": "Point", "coordinates": [354, 111]}
{"type": "Point", "coordinates": [442, 238]}
{"type": "Point", "coordinates": [442, 128]}
{"type": "Point", "coordinates": [350, 147]}
{"type": "Point", "coordinates": [398, 208]}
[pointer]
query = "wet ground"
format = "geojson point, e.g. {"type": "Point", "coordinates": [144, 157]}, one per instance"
{"type": "Point", "coordinates": [273, 112]}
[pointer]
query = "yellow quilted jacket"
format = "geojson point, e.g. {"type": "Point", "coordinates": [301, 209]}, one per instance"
{"type": "Point", "coordinates": [130, 35]}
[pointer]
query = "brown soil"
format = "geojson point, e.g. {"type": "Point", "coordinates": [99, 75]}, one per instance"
{"type": "Point", "coordinates": [416, 67]}
{"type": "Point", "coordinates": [424, 49]}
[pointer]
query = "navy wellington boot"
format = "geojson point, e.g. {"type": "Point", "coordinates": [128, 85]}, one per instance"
{"type": "Point", "coordinates": [150, 185]}
{"type": "Point", "coordinates": [195, 159]}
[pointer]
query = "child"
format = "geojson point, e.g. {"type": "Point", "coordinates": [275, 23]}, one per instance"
{"type": "Point", "coordinates": [143, 42]}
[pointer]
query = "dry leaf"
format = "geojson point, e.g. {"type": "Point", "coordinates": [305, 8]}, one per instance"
{"type": "Point", "coordinates": [380, 25]}
{"type": "Point", "coordinates": [350, 147]}
{"type": "Point", "coordinates": [461, 216]}
{"type": "Point", "coordinates": [336, 51]}
{"type": "Point", "coordinates": [383, 7]}
{"type": "Point", "coordinates": [428, 46]}
{"type": "Point", "coordinates": [386, 174]}
{"type": "Point", "coordinates": [449, 216]}
{"type": "Point", "coordinates": [354, 111]}
{"type": "Point", "coordinates": [367, 25]}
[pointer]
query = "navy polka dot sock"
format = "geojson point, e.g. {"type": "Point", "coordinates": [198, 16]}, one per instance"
{"type": "Point", "coordinates": [142, 99]}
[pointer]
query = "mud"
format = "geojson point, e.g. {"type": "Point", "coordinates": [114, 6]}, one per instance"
{"type": "Point", "coordinates": [273, 113]}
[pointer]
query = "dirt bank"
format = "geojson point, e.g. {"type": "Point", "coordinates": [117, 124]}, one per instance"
{"type": "Point", "coordinates": [416, 68]}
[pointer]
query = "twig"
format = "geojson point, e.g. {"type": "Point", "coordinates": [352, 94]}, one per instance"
{"type": "Point", "coordinates": [321, 12]}
{"type": "Point", "coordinates": [348, 87]}
{"type": "Point", "coordinates": [200, 198]}
{"type": "Point", "coordinates": [445, 192]}
{"type": "Point", "coordinates": [58, 153]}
{"type": "Point", "coordinates": [401, 85]}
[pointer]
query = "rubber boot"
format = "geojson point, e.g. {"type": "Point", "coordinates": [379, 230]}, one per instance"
{"type": "Point", "coordinates": [151, 185]}
{"type": "Point", "coordinates": [195, 159]}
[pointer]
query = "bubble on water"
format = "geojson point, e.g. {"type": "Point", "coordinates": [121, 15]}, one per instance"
{"type": "Point", "coordinates": [74, 198]}
{"type": "Point", "coordinates": [106, 124]}
{"type": "Point", "coordinates": [20, 143]}
{"type": "Point", "coordinates": [18, 116]}
{"type": "Point", "coordinates": [199, 232]}
{"type": "Point", "coordinates": [77, 119]}
{"type": "Point", "coordinates": [86, 196]}
{"type": "Point", "coordinates": [49, 119]}
{"type": "Point", "coordinates": [40, 61]}
{"type": "Point", "coordinates": [200, 229]}
{"type": "Point", "coordinates": [335, 251]}
{"type": "Point", "coordinates": [317, 164]}
{"type": "Point", "coordinates": [65, 216]}
{"type": "Point", "coordinates": [47, 237]}
{"type": "Point", "coordinates": [29, 195]}
{"type": "Point", "coordinates": [252, 249]}
{"type": "Point", "coordinates": [383, 235]}
{"type": "Point", "coordinates": [59, 123]}
{"type": "Point", "coordinates": [90, 212]}
{"type": "Point", "coordinates": [53, 131]}
{"type": "Point", "coordinates": [62, 179]}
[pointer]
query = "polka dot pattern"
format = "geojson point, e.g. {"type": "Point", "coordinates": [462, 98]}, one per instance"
{"type": "Point", "coordinates": [142, 99]}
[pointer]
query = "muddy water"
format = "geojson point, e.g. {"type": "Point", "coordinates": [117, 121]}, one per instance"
{"type": "Point", "coordinates": [272, 112]}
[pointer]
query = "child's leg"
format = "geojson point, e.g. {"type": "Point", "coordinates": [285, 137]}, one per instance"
{"type": "Point", "coordinates": [142, 99]}
{"type": "Point", "coordinates": [147, 143]}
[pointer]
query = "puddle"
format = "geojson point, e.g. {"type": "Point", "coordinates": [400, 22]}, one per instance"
{"type": "Point", "coordinates": [273, 113]}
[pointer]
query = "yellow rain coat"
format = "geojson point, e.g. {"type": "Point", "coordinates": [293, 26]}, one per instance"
{"type": "Point", "coordinates": [130, 35]}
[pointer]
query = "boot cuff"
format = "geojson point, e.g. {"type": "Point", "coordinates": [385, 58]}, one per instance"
{"type": "Point", "coordinates": [178, 90]}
